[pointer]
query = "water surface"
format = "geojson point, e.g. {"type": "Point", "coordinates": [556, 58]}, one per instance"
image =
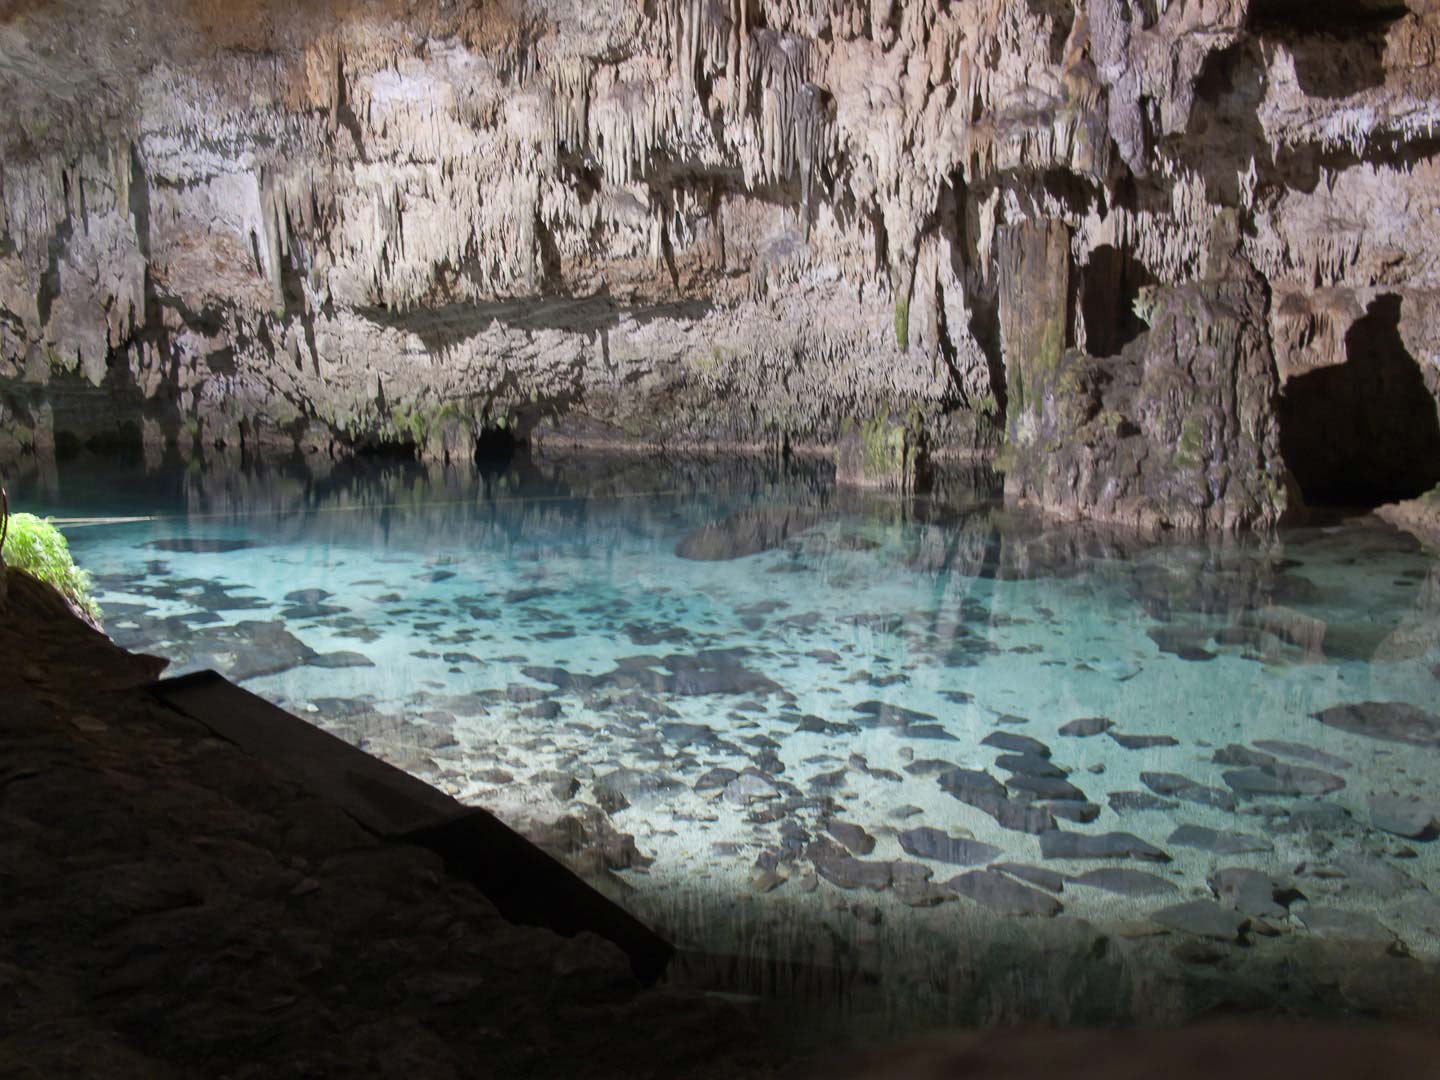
{"type": "Point", "coordinates": [924, 744]}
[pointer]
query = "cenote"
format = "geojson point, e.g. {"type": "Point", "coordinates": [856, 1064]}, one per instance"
{"type": "Point", "coordinates": [895, 760]}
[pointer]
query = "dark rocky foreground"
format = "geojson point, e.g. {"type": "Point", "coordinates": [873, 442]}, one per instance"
{"type": "Point", "coordinates": [174, 907]}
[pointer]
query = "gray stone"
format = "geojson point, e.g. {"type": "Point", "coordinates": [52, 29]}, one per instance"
{"type": "Point", "coordinates": [856, 839]}
{"type": "Point", "coordinates": [1251, 892]}
{"type": "Point", "coordinates": [1129, 802]}
{"type": "Point", "coordinates": [1182, 787]}
{"type": "Point", "coordinates": [1293, 780]}
{"type": "Point", "coordinates": [1405, 815]}
{"type": "Point", "coordinates": [1389, 721]}
{"type": "Point", "coordinates": [1203, 918]}
{"type": "Point", "coordinates": [1302, 752]}
{"type": "Point", "coordinates": [1018, 744]}
{"type": "Point", "coordinates": [1125, 882]}
{"type": "Point", "coordinates": [1219, 843]}
{"type": "Point", "coordinates": [1114, 845]}
{"type": "Point", "coordinates": [1086, 726]}
{"type": "Point", "coordinates": [1143, 742]}
{"type": "Point", "coordinates": [927, 843]}
{"type": "Point", "coordinates": [1336, 924]}
{"type": "Point", "coordinates": [1003, 894]}
{"type": "Point", "coordinates": [1034, 875]}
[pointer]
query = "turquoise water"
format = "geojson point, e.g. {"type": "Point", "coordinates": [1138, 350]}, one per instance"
{"type": "Point", "coordinates": [771, 685]}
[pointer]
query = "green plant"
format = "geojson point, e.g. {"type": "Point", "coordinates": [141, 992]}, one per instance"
{"type": "Point", "coordinates": [39, 549]}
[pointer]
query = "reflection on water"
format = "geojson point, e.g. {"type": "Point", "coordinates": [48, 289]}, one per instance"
{"type": "Point", "coordinates": [953, 764]}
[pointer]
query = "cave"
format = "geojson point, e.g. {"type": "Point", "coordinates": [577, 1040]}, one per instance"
{"type": "Point", "coordinates": [714, 538]}
{"type": "Point", "coordinates": [1109, 285]}
{"type": "Point", "coordinates": [1363, 432]}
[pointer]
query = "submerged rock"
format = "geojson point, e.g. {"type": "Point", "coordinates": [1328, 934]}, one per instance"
{"type": "Point", "coordinates": [1003, 894]}
{"type": "Point", "coordinates": [1086, 726]}
{"type": "Point", "coordinates": [1278, 779]}
{"type": "Point", "coordinates": [1125, 882]}
{"type": "Point", "coordinates": [1390, 721]}
{"type": "Point", "coordinates": [1115, 845]}
{"type": "Point", "coordinates": [927, 843]}
{"type": "Point", "coordinates": [1219, 843]}
{"type": "Point", "coordinates": [1203, 918]}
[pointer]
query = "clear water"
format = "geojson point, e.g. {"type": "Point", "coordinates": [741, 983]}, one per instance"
{"type": "Point", "coordinates": [437, 619]}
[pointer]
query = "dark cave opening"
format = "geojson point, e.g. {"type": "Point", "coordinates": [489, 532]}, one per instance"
{"type": "Point", "coordinates": [1110, 283]}
{"type": "Point", "coordinates": [1364, 432]}
{"type": "Point", "coordinates": [496, 448]}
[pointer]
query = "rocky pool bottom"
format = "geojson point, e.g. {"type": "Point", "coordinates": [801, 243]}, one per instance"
{"type": "Point", "coordinates": [915, 761]}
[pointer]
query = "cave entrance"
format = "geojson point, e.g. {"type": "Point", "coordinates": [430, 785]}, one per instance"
{"type": "Point", "coordinates": [1109, 285]}
{"type": "Point", "coordinates": [1364, 432]}
{"type": "Point", "coordinates": [496, 448]}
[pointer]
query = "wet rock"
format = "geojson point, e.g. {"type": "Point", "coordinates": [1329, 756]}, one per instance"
{"type": "Point", "coordinates": [630, 787]}
{"type": "Point", "coordinates": [522, 596]}
{"type": "Point", "coordinates": [1300, 752]}
{"type": "Point", "coordinates": [839, 867]}
{"type": "Point", "coordinates": [895, 716]}
{"type": "Point", "coordinates": [985, 793]}
{"type": "Point", "coordinates": [855, 839]}
{"type": "Point", "coordinates": [927, 731]}
{"type": "Point", "coordinates": [713, 782]}
{"type": "Point", "coordinates": [927, 843]}
{"type": "Point", "coordinates": [1029, 765]}
{"type": "Point", "coordinates": [1405, 815]}
{"type": "Point", "coordinates": [1188, 643]}
{"type": "Point", "coordinates": [1086, 726]}
{"type": "Point", "coordinates": [1016, 744]}
{"type": "Point", "coordinates": [341, 659]}
{"type": "Point", "coordinates": [1182, 787]}
{"type": "Point", "coordinates": [821, 726]}
{"type": "Point", "coordinates": [1203, 918]}
{"type": "Point", "coordinates": [1336, 924]}
{"type": "Point", "coordinates": [1003, 894]}
{"type": "Point", "coordinates": [1045, 787]}
{"type": "Point", "coordinates": [1389, 721]}
{"type": "Point", "coordinates": [933, 767]}
{"type": "Point", "coordinates": [1241, 755]}
{"type": "Point", "coordinates": [1293, 780]}
{"type": "Point", "coordinates": [300, 612]}
{"type": "Point", "coordinates": [749, 787]}
{"type": "Point", "coordinates": [1125, 882]}
{"type": "Point", "coordinates": [905, 813]}
{"type": "Point", "coordinates": [911, 884]}
{"type": "Point", "coordinates": [1252, 892]}
{"type": "Point", "coordinates": [1114, 845]}
{"type": "Point", "coordinates": [1375, 876]}
{"type": "Point", "coordinates": [1082, 813]}
{"type": "Point", "coordinates": [1143, 742]}
{"type": "Point", "coordinates": [308, 596]}
{"type": "Point", "coordinates": [1034, 875]}
{"type": "Point", "coordinates": [1218, 843]}
{"type": "Point", "coordinates": [1127, 802]}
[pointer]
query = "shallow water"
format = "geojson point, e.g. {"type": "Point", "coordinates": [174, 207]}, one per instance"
{"type": "Point", "coordinates": [740, 664]}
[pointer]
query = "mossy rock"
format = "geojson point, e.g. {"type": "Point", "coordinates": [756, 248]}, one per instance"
{"type": "Point", "coordinates": [36, 547]}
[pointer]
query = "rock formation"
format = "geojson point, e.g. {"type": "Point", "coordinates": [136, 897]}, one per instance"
{"type": "Point", "coordinates": [1177, 256]}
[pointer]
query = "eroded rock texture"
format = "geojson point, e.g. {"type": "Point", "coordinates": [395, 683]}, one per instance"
{"type": "Point", "coordinates": [908, 229]}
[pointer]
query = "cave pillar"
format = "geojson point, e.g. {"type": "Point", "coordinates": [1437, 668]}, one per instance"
{"type": "Point", "coordinates": [1034, 296]}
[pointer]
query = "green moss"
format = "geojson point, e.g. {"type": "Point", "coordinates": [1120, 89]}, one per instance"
{"type": "Point", "coordinates": [39, 549]}
{"type": "Point", "coordinates": [1190, 443]}
{"type": "Point", "coordinates": [884, 444]}
{"type": "Point", "coordinates": [902, 322]}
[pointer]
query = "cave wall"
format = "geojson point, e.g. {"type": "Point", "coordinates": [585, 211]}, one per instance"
{"type": "Point", "coordinates": [327, 227]}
